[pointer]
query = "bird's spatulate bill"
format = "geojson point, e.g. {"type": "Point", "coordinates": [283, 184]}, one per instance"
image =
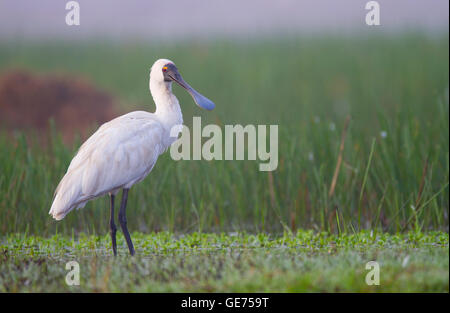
{"type": "Point", "coordinates": [199, 99]}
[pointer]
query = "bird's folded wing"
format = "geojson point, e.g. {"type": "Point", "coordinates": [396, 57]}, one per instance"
{"type": "Point", "coordinates": [120, 153]}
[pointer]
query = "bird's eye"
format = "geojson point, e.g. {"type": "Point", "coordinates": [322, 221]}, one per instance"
{"type": "Point", "coordinates": [164, 69]}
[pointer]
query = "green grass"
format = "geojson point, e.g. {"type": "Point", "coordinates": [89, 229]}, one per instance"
{"type": "Point", "coordinates": [239, 262]}
{"type": "Point", "coordinates": [395, 85]}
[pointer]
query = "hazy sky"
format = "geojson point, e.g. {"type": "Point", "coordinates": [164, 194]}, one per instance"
{"type": "Point", "coordinates": [169, 19]}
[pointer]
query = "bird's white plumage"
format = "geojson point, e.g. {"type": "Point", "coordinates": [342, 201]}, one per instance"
{"type": "Point", "coordinates": [121, 152]}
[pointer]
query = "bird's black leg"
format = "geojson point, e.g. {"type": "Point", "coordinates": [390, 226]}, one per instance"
{"type": "Point", "coordinates": [113, 227]}
{"type": "Point", "coordinates": [123, 220]}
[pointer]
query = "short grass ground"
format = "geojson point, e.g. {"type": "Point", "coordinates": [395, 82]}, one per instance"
{"type": "Point", "coordinates": [239, 262]}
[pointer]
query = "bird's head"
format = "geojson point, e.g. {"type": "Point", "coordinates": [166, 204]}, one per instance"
{"type": "Point", "coordinates": [165, 72]}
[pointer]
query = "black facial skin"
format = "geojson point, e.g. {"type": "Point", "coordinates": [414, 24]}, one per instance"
{"type": "Point", "coordinates": [171, 73]}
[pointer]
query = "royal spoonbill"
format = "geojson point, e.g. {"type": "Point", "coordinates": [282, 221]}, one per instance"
{"type": "Point", "coordinates": [123, 151]}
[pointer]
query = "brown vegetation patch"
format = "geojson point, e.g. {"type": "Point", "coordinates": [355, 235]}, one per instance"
{"type": "Point", "coordinates": [28, 101]}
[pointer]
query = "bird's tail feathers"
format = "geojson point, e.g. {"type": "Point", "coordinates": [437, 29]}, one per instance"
{"type": "Point", "coordinates": [67, 197]}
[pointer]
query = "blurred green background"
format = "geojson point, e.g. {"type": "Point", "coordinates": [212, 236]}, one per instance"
{"type": "Point", "coordinates": [395, 170]}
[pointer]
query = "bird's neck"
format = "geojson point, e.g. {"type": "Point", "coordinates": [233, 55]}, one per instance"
{"type": "Point", "coordinates": [167, 106]}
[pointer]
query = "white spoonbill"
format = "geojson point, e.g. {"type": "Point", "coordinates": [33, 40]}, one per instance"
{"type": "Point", "coordinates": [123, 151]}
